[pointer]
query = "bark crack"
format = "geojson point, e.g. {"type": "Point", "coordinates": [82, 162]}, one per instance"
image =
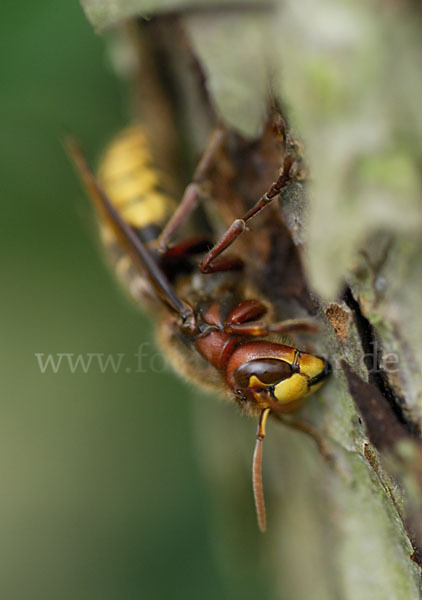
{"type": "Point", "coordinates": [372, 358]}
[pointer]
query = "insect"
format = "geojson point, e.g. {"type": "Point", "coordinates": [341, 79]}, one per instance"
{"type": "Point", "coordinates": [210, 320]}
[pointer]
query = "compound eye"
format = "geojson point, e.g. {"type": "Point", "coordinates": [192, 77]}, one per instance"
{"type": "Point", "coordinates": [268, 371]}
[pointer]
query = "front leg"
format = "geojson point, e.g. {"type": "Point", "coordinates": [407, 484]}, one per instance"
{"type": "Point", "coordinates": [239, 225]}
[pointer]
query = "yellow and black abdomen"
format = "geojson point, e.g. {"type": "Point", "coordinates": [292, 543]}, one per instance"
{"type": "Point", "coordinates": [142, 194]}
{"type": "Point", "coordinates": [134, 185]}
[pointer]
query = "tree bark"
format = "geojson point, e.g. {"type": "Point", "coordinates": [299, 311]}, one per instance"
{"type": "Point", "coordinates": [346, 524]}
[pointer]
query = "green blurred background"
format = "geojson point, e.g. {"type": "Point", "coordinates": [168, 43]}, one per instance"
{"type": "Point", "coordinates": [102, 494]}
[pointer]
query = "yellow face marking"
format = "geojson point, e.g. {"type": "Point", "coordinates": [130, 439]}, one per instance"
{"type": "Point", "coordinates": [296, 386]}
{"type": "Point", "coordinates": [291, 389]}
{"type": "Point", "coordinates": [311, 365]}
{"type": "Point", "coordinates": [288, 390]}
{"type": "Point", "coordinates": [254, 382]}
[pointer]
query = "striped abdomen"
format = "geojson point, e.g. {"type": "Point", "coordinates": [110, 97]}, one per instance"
{"type": "Point", "coordinates": [134, 185]}
{"type": "Point", "coordinates": [141, 193]}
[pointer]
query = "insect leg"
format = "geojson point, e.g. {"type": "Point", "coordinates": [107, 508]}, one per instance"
{"type": "Point", "coordinates": [239, 225]}
{"type": "Point", "coordinates": [193, 192]}
{"type": "Point", "coordinates": [189, 247]}
{"type": "Point", "coordinates": [257, 472]}
{"type": "Point", "coordinates": [248, 310]}
{"type": "Point", "coordinates": [305, 427]}
{"type": "Point", "coordinates": [258, 328]}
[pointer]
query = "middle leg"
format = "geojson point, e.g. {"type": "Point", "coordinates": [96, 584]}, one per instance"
{"type": "Point", "coordinates": [194, 191]}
